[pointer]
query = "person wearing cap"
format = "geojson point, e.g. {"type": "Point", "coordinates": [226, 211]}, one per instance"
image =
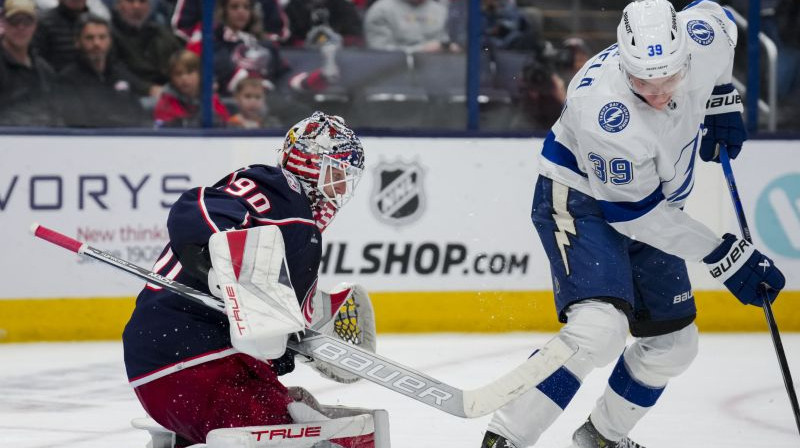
{"type": "Point", "coordinates": [26, 80]}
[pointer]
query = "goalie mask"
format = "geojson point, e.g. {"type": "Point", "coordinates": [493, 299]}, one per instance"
{"type": "Point", "coordinates": [653, 50]}
{"type": "Point", "coordinates": [327, 157]}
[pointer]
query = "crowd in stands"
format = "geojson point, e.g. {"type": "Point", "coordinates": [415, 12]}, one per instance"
{"type": "Point", "coordinates": [136, 63]}
{"type": "Point", "coordinates": [121, 63]}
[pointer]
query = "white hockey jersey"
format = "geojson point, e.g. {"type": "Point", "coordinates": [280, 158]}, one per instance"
{"type": "Point", "coordinates": [637, 161]}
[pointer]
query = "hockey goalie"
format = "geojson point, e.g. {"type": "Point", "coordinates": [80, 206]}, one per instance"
{"type": "Point", "coordinates": [253, 240]}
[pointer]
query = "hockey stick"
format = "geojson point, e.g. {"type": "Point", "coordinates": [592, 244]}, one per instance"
{"type": "Point", "coordinates": [362, 363]}
{"type": "Point", "coordinates": [773, 326]}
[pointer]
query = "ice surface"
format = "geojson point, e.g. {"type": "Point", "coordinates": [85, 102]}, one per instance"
{"type": "Point", "coordinates": [75, 395]}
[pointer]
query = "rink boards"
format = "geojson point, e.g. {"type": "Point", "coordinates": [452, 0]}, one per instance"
{"type": "Point", "coordinates": [439, 230]}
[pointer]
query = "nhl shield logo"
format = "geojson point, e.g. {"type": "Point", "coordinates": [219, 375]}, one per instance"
{"type": "Point", "coordinates": [398, 197]}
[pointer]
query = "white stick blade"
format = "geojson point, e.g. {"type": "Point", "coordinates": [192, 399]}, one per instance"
{"type": "Point", "coordinates": [537, 368]}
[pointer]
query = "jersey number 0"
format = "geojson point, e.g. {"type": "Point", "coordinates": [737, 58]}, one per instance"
{"type": "Point", "coordinates": [241, 187]}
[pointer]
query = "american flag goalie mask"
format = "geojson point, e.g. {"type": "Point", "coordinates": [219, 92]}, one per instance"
{"type": "Point", "coordinates": [326, 156]}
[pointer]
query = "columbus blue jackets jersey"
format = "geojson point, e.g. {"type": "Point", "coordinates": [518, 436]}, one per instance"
{"type": "Point", "coordinates": [167, 332]}
{"type": "Point", "coordinates": [636, 161]}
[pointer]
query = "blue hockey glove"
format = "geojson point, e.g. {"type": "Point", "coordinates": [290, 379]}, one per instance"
{"type": "Point", "coordinates": [723, 124]}
{"type": "Point", "coordinates": [746, 272]}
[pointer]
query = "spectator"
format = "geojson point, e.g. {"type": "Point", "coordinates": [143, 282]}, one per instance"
{"type": "Point", "coordinates": [179, 103]}
{"type": "Point", "coordinates": [100, 8]}
{"type": "Point", "coordinates": [788, 17]}
{"type": "Point", "coordinates": [409, 25]}
{"type": "Point", "coordinates": [308, 20]}
{"type": "Point", "coordinates": [571, 57]}
{"type": "Point", "coordinates": [542, 95]}
{"type": "Point", "coordinates": [251, 102]}
{"type": "Point", "coordinates": [144, 45]}
{"type": "Point", "coordinates": [503, 26]}
{"type": "Point", "coordinates": [55, 36]}
{"type": "Point", "coordinates": [273, 25]}
{"type": "Point", "coordinates": [788, 14]}
{"type": "Point", "coordinates": [237, 51]}
{"type": "Point", "coordinates": [26, 80]}
{"type": "Point", "coordinates": [97, 91]}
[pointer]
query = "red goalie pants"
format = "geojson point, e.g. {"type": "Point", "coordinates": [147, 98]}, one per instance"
{"type": "Point", "coordinates": [230, 392]}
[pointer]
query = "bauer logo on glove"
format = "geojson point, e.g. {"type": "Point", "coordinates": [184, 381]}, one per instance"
{"type": "Point", "coordinates": [736, 252]}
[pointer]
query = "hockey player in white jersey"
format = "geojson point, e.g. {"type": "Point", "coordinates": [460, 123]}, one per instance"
{"type": "Point", "coordinates": [615, 172]}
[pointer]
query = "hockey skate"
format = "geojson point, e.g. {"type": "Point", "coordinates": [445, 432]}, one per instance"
{"type": "Point", "coordinates": [492, 440]}
{"type": "Point", "coordinates": [587, 436]}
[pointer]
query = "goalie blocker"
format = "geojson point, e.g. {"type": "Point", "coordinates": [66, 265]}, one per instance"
{"type": "Point", "coordinates": [250, 275]}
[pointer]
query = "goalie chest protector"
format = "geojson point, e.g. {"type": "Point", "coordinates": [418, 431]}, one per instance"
{"type": "Point", "coordinates": [166, 331]}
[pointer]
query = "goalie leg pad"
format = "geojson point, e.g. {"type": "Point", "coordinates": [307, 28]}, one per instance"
{"type": "Point", "coordinates": [253, 276]}
{"type": "Point", "coordinates": [352, 428]}
{"type": "Point", "coordinates": [233, 391]}
{"type": "Point", "coordinates": [160, 436]}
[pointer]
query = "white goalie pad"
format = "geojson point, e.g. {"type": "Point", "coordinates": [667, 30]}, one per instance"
{"type": "Point", "coordinates": [328, 427]}
{"type": "Point", "coordinates": [334, 427]}
{"type": "Point", "coordinates": [260, 302]}
{"type": "Point", "coordinates": [345, 313]}
{"type": "Point", "coordinates": [160, 437]}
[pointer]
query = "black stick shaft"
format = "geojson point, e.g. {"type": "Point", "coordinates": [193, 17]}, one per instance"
{"type": "Point", "coordinates": [773, 326]}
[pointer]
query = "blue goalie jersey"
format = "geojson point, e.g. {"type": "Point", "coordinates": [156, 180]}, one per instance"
{"type": "Point", "coordinates": [167, 332]}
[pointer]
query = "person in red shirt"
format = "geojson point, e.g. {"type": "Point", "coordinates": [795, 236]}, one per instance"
{"type": "Point", "coordinates": [179, 103]}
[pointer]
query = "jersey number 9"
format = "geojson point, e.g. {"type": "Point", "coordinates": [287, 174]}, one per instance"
{"type": "Point", "coordinates": [619, 171]}
{"type": "Point", "coordinates": [241, 187]}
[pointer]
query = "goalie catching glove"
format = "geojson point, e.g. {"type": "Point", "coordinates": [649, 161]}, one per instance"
{"type": "Point", "coordinates": [249, 267]}
{"type": "Point", "coordinates": [346, 313]}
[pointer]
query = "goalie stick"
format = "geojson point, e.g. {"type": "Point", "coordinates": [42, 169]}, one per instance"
{"type": "Point", "coordinates": [364, 364]}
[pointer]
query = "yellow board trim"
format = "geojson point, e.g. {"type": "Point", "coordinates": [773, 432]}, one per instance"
{"type": "Point", "coordinates": [69, 319]}
{"type": "Point", "coordinates": [502, 311]}
{"type": "Point", "coordinates": [80, 319]}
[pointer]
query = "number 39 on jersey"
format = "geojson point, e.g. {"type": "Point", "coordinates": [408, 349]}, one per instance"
{"type": "Point", "coordinates": [618, 171]}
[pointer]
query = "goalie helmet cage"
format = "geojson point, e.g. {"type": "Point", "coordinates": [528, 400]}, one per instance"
{"type": "Point", "coordinates": [362, 363]}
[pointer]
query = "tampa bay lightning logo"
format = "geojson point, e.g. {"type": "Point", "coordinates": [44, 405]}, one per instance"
{"type": "Point", "coordinates": [700, 31]}
{"type": "Point", "coordinates": [614, 117]}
